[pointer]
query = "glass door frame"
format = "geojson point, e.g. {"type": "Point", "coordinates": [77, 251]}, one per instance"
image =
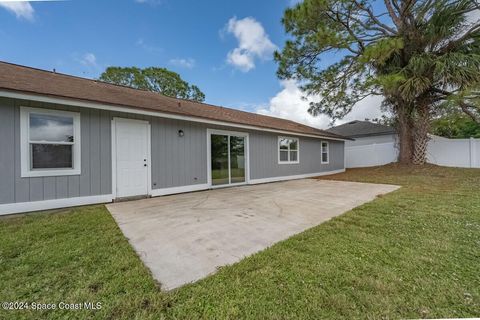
{"type": "Point", "coordinates": [228, 133]}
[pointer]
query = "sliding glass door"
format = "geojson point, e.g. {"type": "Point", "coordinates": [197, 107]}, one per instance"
{"type": "Point", "coordinates": [220, 171]}
{"type": "Point", "coordinates": [237, 159]}
{"type": "Point", "coordinates": [228, 161]}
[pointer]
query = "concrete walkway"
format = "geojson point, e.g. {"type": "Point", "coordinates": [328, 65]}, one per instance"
{"type": "Point", "coordinates": [185, 237]}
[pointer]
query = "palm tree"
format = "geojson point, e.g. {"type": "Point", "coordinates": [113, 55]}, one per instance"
{"type": "Point", "coordinates": [417, 54]}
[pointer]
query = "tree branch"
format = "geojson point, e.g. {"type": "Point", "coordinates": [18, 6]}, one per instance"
{"type": "Point", "coordinates": [466, 108]}
{"type": "Point", "coordinates": [452, 44]}
{"type": "Point", "coordinates": [393, 15]}
{"type": "Point", "coordinates": [372, 16]}
{"type": "Point", "coordinates": [350, 32]}
{"type": "Point", "coordinates": [475, 116]}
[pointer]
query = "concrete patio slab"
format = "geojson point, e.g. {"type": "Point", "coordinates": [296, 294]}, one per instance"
{"type": "Point", "coordinates": [185, 237]}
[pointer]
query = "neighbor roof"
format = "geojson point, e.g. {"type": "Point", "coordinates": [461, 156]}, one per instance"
{"type": "Point", "coordinates": [28, 80]}
{"type": "Point", "coordinates": [357, 128]}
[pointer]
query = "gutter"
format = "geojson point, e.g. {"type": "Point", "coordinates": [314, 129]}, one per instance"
{"type": "Point", "coordinates": [128, 109]}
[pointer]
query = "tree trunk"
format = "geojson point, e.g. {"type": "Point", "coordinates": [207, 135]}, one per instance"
{"type": "Point", "coordinates": [405, 136]}
{"type": "Point", "coordinates": [421, 138]}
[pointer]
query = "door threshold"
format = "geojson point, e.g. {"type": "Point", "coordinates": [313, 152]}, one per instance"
{"type": "Point", "coordinates": [229, 185]}
{"type": "Point", "coordinates": [129, 198]}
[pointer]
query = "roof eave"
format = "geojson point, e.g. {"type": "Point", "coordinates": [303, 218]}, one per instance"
{"type": "Point", "coordinates": [372, 134]}
{"type": "Point", "coordinates": [49, 98]}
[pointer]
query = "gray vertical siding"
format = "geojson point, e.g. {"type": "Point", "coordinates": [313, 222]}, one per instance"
{"type": "Point", "coordinates": [264, 156]}
{"type": "Point", "coordinates": [7, 150]}
{"type": "Point", "coordinates": [176, 161]}
{"type": "Point", "coordinates": [95, 178]}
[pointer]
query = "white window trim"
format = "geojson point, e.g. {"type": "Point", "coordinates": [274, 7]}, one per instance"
{"type": "Point", "coordinates": [328, 152]}
{"type": "Point", "coordinates": [25, 144]}
{"type": "Point", "coordinates": [298, 150]}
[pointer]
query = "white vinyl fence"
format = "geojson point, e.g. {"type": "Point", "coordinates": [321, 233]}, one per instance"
{"type": "Point", "coordinates": [370, 155]}
{"type": "Point", "coordinates": [441, 151]}
{"type": "Point", "coordinates": [463, 153]}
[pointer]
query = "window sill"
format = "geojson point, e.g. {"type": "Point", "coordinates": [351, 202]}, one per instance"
{"type": "Point", "coordinates": [289, 162]}
{"type": "Point", "coordinates": [51, 173]}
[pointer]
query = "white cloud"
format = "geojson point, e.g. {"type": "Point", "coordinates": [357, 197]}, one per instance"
{"type": "Point", "coordinates": [147, 47]}
{"type": "Point", "coordinates": [151, 2]}
{"type": "Point", "coordinates": [89, 59]}
{"type": "Point", "coordinates": [289, 104]}
{"type": "Point", "coordinates": [368, 108]}
{"type": "Point", "coordinates": [21, 9]}
{"type": "Point", "coordinates": [473, 16]}
{"type": "Point", "coordinates": [253, 42]}
{"type": "Point", "coordinates": [241, 59]}
{"type": "Point", "coordinates": [184, 63]}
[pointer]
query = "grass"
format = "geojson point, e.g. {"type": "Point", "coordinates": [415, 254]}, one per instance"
{"type": "Point", "coordinates": [220, 176]}
{"type": "Point", "coordinates": [413, 253]}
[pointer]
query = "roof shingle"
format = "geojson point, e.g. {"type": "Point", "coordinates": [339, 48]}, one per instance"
{"type": "Point", "coordinates": [40, 82]}
{"type": "Point", "coordinates": [357, 128]}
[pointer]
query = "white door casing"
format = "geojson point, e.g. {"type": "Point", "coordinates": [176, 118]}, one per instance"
{"type": "Point", "coordinates": [211, 132]}
{"type": "Point", "coordinates": [130, 157]}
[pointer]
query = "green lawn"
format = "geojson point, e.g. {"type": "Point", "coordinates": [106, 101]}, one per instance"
{"type": "Point", "coordinates": [409, 254]}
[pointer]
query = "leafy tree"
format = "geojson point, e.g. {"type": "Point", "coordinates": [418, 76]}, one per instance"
{"type": "Point", "coordinates": [456, 125]}
{"type": "Point", "coordinates": [384, 120]}
{"type": "Point", "coordinates": [417, 54]}
{"type": "Point", "coordinates": [153, 79]}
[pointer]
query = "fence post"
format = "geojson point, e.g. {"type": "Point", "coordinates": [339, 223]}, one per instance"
{"type": "Point", "coordinates": [473, 161]}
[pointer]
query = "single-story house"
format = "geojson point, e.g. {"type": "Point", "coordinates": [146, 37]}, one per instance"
{"type": "Point", "coordinates": [68, 141]}
{"type": "Point", "coordinates": [365, 133]}
{"type": "Point", "coordinates": [372, 144]}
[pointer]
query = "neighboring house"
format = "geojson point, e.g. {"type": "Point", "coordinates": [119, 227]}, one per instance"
{"type": "Point", "coordinates": [373, 145]}
{"type": "Point", "coordinates": [376, 144]}
{"type": "Point", "coordinates": [69, 141]}
{"type": "Point", "coordinates": [365, 133]}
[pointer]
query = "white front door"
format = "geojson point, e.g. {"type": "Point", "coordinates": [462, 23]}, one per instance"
{"type": "Point", "coordinates": [132, 157]}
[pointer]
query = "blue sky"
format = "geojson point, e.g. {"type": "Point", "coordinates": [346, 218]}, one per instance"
{"type": "Point", "coordinates": [224, 47]}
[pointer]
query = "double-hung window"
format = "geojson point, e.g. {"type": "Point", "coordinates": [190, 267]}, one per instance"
{"type": "Point", "coordinates": [288, 150]}
{"type": "Point", "coordinates": [325, 152]}
{"type": "Point", "coordinates": [50, 142]}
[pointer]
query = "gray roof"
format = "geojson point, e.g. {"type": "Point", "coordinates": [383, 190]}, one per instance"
{"type": "Point", "coordinates": [357, 128]}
